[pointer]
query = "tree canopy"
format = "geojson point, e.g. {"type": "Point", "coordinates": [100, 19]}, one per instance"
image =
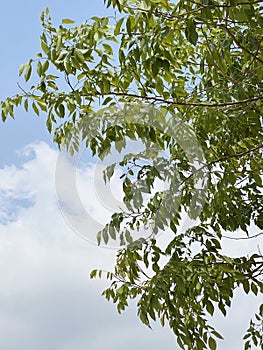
{"type": "Point", "coordinates": [184, 78]}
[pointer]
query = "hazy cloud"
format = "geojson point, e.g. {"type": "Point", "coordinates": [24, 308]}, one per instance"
{"type": "Point", "coordinates": [46, 298]}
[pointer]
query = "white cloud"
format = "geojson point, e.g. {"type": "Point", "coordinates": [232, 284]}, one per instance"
{"type": "Point", "coordinates": [46, 298]}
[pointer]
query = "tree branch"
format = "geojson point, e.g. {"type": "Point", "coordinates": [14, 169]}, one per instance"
{"type": "Point", "coordinates": [241, 46]}
{"type": "Point", "coordinates": [182, 103]}
{"type": "Point", "coordinates": [222, 159]}
{"type": "Point", "coordinates": [243, 238]}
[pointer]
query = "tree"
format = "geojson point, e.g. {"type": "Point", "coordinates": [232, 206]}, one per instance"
{"type": "Point", "coordinates": [185, 78]}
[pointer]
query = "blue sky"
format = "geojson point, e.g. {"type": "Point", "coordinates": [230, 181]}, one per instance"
{"type": "Point", "coordinates": [46, 298]}
{"type": "Point", "coordinates": [20, 30]}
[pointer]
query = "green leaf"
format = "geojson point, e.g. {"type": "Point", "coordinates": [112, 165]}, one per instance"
{"type": "Point", "coordinates": [155, 69]}
{"type": "Point", "coordinates": [93, 274]}
{"type": "Point", "coordinates": [107, 49]}
{"type": "Point", "coordinates": [118, 27]}
{"type": "Point", "coordinates": [246, 286]}
{"type": "Point", "coordinates": [39, 69]}
{"type": "Point", "coordinates": [222, 308]}
{"type": "Point", "coordinates": [79, 56]}
{"type": "Point", "coordinates": [107, 100]}
{"type": "Point", "coordinates": [99, 237]}
{"type": "Point", "coordinates": [42, 105]}
{"type": "Point", "coordinates": [129, 25]}
{"type": "Point", "coordinates": [212, 343]}
{"type": "Point", "coordinates": [112, 232]}
{"type": "Point", "coordinates": [210, 307]}
{"type": "Point", "coordinates": [49, 125]}
{"type": "Point", "coordinates": [105, 236]}
{"type": "Point", "coordinates": [26, 104]}
{"type": "Point", "coordinates": [45, 66]}
{"type": "Point", "coordinates": [191, 33]}
{"type": "Point", "coordinates": [67, 21]}
{"type": "Point", "coordinates": [21, 69]}
{"type": "Point", "coordinates": [28, 72]}
{"type": "Point", "coordinates": [35, 109]}
{"type": "Point", "coordinates": [45, 47]}
{"type": "Point", "coordinates": [218, 335]}
{"type": "Point", "coordinates": [128, 237]}
{"type": "Point", "coordinates": [254, 288]}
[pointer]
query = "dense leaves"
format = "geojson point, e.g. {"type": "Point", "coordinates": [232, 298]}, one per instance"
{"type": "Point", "coordinates": [185, 79]}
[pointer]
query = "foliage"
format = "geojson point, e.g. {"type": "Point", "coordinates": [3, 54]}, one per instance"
{"type": "Point", "coordinates": [185, 78]}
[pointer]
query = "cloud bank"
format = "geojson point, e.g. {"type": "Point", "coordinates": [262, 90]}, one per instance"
{"type": "Point", "coordinates": [46, 298]}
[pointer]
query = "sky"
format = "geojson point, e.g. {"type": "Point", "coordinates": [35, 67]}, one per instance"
{"type": "Point", "coordinates": [47, 300]}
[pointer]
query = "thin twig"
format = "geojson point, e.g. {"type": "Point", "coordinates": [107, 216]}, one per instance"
{"type": "Point", "coordinates": [243, 238]}
{"type": "Point", "coordinates": [222, 159]}
{"type": "Point", "coordinates": [241, 46]}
